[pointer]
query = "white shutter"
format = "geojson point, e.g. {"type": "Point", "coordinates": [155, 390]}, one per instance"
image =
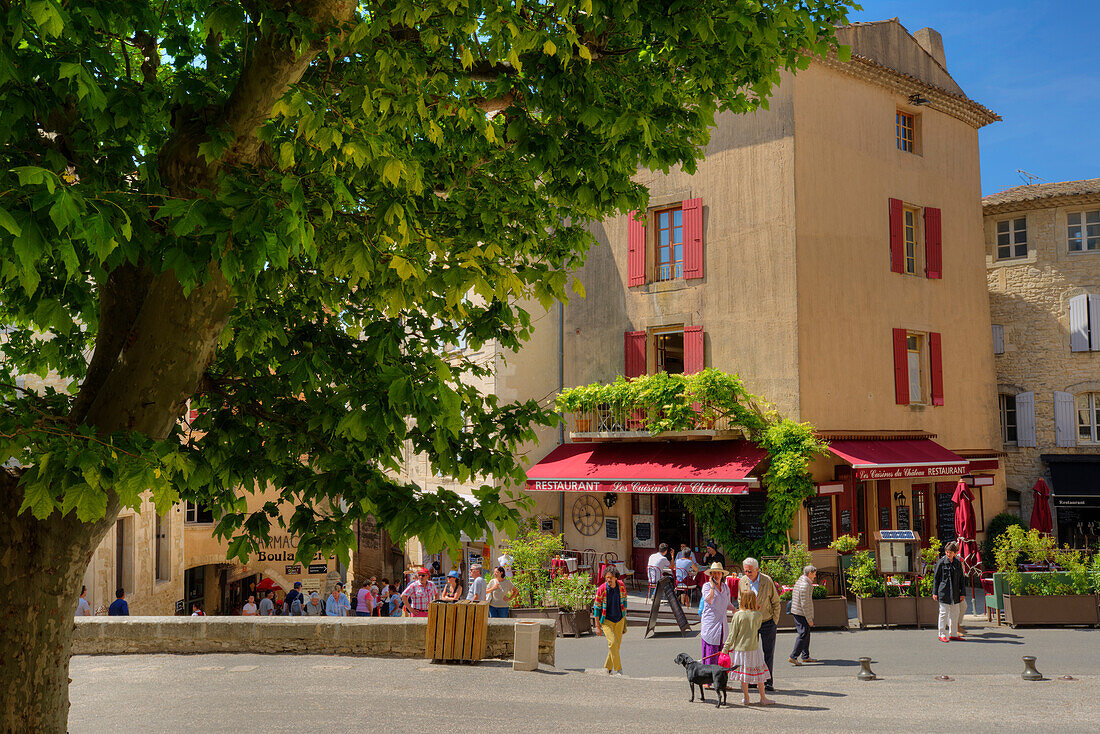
{"type": "Point", "coordinates": [999, 338]}
{"type": "Point", "coordinates": [1065, 423]}
{"type": "Point", "coordinates": [1079, 323]}
{"type": "Point", "coordinates": [1025, 419]}
{"type": "Point", "coordinates": [1094, 322]}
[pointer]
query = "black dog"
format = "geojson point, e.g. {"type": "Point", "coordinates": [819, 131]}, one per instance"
{"type": "Point", "coordinates": [698, 674]}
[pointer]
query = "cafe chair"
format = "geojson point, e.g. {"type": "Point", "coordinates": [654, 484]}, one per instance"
{"type": "Point", "coordinates": [685, 581]}
{"type": "Point", "coordinates": [653, 574]}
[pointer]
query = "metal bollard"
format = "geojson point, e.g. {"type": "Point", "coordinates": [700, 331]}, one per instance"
{"type": "Point", "coordinates": [1030, 672]}
{"type": "Point", "coordinates": [865, 672]}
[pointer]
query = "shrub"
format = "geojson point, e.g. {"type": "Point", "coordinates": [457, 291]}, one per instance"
{"type": "Point", "coordinates": [845, 543]}
{"type": "Point", "coordinates": [993, 530]}
{"type": "Point", "coordinates": [531, 551]}
{"type": "Point", "coordinates": [571, 592]}
{"type": "Point", "coordinates": [863, 578]}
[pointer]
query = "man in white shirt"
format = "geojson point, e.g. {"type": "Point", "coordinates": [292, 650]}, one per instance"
{"type": "Point", "coordinates": [477, 584]}
{"type": "Point", "coordinates": [660, 558]}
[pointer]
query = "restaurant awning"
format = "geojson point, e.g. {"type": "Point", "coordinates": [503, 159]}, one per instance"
{"type": "Point", "coordinates": [1075, 480]}
{"type": "Point", "coordinates": [703, 467]}
{"type": "Point", "coordinates": [902, 459]}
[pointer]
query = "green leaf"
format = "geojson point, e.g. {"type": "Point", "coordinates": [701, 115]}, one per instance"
{"type": "Point", "coordinates": [7, 221]}
{"type": "Point", "coordinates": [844, 53]}
{"type": "Point", "coordinates": [37, 498]}
{"type": "Point", "coordinates": [404, 268]}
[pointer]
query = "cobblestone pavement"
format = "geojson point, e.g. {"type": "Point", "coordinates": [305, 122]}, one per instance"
{"type": "Point", "coordinates": [237, 693]}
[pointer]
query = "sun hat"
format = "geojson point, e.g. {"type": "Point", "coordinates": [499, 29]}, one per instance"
{"type": "Point", "coordinates": [717, 567]}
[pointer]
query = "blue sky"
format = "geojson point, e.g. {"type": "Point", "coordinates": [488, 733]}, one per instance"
{"type": "Point", "coordinates": [1036, 64]}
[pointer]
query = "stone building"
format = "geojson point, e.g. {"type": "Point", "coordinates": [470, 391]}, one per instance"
{"type": "Point", "coordinates": [1043, 267]}
{"type": "Point", "coordinates": [828, 251]}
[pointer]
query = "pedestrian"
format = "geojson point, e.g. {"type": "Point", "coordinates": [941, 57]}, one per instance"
{"type": "Point", "coordinates": [249, 608]}
{"type": "Point", "coordinates": [119, 607]}
{"type": "Point", "coordinates": [314, 607]}
{"type": "Point", "coordinates": [364, 602]}
{"type": "Point", "coordinates": [453, 590]}
{"type": "Point", "coordinates": [767, 601]}
{"type": "Point", "coordinates": [712, 555]}
{"type": "Point", "coordinates": [396, 608]}
{"type": "Point", "coordinates": [83, 608]}
{"type": "Point", "coordinates": [337, 605]}
{"type": "Point", "coordinates": [196, 611]}
{"type": "Point", "coordinates": [746, 658]}
{"type": "Point", "coordinates": [477, 584]}
{"type": "Point", "coordinates": [947, 589]}
{"type": "Point", "coordinates": [500, 592]}
{"type": "Point", "coordinates": [609, 608]}
{"type": "Point", "coordinates": [295, 594]}
{"type": "Point", "coordinates": [802, 609]}
{"type": "Point", "coordinates": [419, 594]}
{"type": "Point", "coordinates": [713, 612]}
{"type": "Point", "coordinates": [267, 606]}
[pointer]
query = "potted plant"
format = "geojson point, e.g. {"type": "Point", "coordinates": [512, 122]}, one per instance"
{"type": "Point", "coordinates": [1068, 596]}
{"type": "Point", "coordinates": [869, 589]}
{"type": "Point", "coordinates": [928, 609]}
{"type": "Point", "coordinates": [572, 594]}
{"type": "Point", "coordinates": [829, 611]}
{"type": "Point", "coordinates": [531, 551]}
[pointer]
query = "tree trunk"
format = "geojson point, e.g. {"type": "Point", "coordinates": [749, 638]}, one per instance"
{"type": "Point", "coordinates": [41, 565]}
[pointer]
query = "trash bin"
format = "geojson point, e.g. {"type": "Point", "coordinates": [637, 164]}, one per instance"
{"type": "Point", "coordinates": [457, 631]}
{"type": "Point", "coordinates": [526, 646]}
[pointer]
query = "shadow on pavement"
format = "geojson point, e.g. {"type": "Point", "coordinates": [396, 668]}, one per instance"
{"type": "Point", "coordinates": [802, 694]}
{"type": "Point", "coordinates": [834, 663]}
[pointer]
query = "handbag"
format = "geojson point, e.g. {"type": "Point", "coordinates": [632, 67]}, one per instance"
{"type": "Point", "coordinates": [724, 660]}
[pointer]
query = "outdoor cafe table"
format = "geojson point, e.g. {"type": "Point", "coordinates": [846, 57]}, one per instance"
{"type": "Point", "coordinates": [620, 565]}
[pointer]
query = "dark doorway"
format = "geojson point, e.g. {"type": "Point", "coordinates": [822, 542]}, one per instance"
{"type": "Point", "coordinates": [675, 524]}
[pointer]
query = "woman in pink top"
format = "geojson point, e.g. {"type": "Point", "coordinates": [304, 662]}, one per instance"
{"type": "Point", "coordinates": [364, 602]}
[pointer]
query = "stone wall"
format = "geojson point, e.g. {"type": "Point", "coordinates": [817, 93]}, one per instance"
{"type": "Point", "coordinates": [396, 638]}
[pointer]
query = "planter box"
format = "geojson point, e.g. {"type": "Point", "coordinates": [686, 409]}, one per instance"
{"type": "Point", "coordinates": [832, 611]}
{"type": "Point", "coordinates": [871, 611]}
{"type": "Point", "coordinates": [1059, 610]}
{"type": "Point", "coordinates": [928, 612]}
{"type": "Point", "coordinates": [901, 611]}
{"type": "Point", "coordinates": [550, 613]}
{"type": "Point", "coordinates": [574, 623]}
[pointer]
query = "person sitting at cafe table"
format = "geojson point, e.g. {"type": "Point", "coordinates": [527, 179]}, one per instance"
{"type": "Point", "coordinates": [685, 575]}
{"type": "Point", "coordinates": [660, 560]}
{"type": "Point", "coordinates": [712, 555]}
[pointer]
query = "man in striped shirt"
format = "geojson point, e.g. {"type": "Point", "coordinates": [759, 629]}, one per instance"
{"type": "Point", "coordinates": [419, 594]}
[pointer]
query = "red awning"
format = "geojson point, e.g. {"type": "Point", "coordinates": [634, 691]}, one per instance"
{"type": "Point", "coordinates": [903, 459]}
{"type": "Point", "coordinates": [703, 467]}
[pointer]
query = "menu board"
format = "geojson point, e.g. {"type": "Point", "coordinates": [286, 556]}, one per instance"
{"type": "Point", "coordinates": [667, 591]}
{"type": "Point", "coordinates": [845, 521]}
{"type": "Point", "coordinates": [820, 513]}
{"type": "Point", "coordinates": [884, 518]}
{"type": "Point", "coordinates": [749, 513]}
{"type": "Point", "coordinates": [945, 517]}
{"type": "Point", "coordinates": [903, 518]}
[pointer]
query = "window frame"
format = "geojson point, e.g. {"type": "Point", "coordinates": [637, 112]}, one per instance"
{"type": "Point", "coordinates": [917, 260]}
{"type": "Point", "coordinates": [162, 548]}
{"type": "Point", "coordinates": [923, 366]}
{"type": "Point", "coordinates": [1092, 409]}
{"type": "Point", "coordinates": [1084, 237]}
{"type": "Point", "coordinates": [905, 131]}
{"type": "Point", "coordinates": [655, 337]}
{"type": "Point", "coordinates": [1008, 429]}
{"type": "Point", "coordinates": [676, 267]}
{"type": "Point", "coordinates": [1013, 245]}
{"type": "Point", "coordinates": [192, 512]}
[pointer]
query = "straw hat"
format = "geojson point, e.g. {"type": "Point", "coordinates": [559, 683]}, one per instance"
{"type": "Point", "coordinates": [717, 567]}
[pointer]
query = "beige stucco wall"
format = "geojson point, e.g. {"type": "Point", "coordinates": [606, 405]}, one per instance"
{"type": "Point", "coordinates": [1029, 298]}
{"type": "Point", "coordinates": [847, 167]}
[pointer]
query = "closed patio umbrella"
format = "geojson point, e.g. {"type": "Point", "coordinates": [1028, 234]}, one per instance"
{"type": "Point", "coordinates": [964, 534]}
{"type": "Point", "coordinates": [1040, 511]}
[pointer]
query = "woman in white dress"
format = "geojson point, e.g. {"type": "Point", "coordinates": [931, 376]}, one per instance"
{"type": "Point", "coordinates": [713, 612]}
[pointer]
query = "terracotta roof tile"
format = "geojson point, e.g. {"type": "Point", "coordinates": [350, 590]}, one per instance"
{"type": "Point", "coordinates": [1033, 192]}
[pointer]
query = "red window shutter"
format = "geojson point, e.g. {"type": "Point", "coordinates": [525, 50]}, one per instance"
{"type": "Point", "coordinates": [933, 243]}
{"type": "Point", "coordinates": [635, 250]}
{"type": "Point", "coordinates": [901, 368]}
{"type": "Point", "coordinates": [897, 237]}
{"type": "Point", "coordinates": [693, 349]}
{"type": "Point", "coordinates": [634, 353]}
{"type": "Point", "coordinates": [693, 239]}
{"type": "Point", "coordinates": [936, 355]}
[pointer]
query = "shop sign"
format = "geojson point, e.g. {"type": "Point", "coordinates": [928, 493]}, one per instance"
{"type": "Point", "coordinates": [910, 472]}
{"type": "Point", "coordinates": [739, 487]}
{"type": "Point", "coordinates": [830, 488]}
{"type": "Point", "coordinates": [294, 570]}
{"type": "Point", "coordinates": [318, 568]}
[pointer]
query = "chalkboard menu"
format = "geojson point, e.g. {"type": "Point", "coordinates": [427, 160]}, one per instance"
{"type": "Point", "coordinates": [749, 513]}
{"type": "Point", "coordinates": [820, 512]}
{"type": "Point", "coordinates": [945, 517]}
{"type": "Point", "coordinates": [884, 518]}
{"type": "Point", "coordinates": [845, 522]}
{"type": "Point", "coordinates": [666, 590]}
{"type": "Point", "coordinates": [903, 518]}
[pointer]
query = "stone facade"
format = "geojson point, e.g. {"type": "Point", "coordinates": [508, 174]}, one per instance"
{"type": "Point", "coordinates": [1029, 299]}
{"type": "Point", "coordinates": [383, 637]}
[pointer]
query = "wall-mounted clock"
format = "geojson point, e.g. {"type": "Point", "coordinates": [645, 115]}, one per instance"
{"type": "Point", "coordinates": [587, 515]}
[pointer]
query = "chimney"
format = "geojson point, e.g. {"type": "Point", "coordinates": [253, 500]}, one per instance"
{"type": "Point", "coordinates": [932, 42]}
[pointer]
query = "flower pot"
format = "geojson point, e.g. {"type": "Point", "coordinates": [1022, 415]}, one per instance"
{"type": "Point", "coordinates": [1059, 610]}
{"type": "Point", "coordinates": [901, 611]}
{"type": "Point", "coordinates": [832, 611]}
{"type": "Point", "coordinates": [928, 612]}
{"type": "Point", "coordinates": [583, 425]}
{"type": "Point", "coordinates": [550, 613]}
{"type": "Point", "coordinates": [574, 623]}
{"type": "Point", "coordinates": [871, 611]}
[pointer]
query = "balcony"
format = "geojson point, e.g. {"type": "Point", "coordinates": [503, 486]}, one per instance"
{"type": "Point", "coordinates": [705, 406]}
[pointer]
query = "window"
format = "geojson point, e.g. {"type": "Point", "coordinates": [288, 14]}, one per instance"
{"type": "Point", "coordinates": [911, 254]}
{"type": "Point", "coordinates": [1083, 231]}
{"type": "Point", "coordinates": [670, 351]}
{"type": "Point", "coordinates": [1012, 238]}
{"type": "Point", "coordinates": [124, 549]}
{"type": "Point", "coordinates": [914, 348]}
{"type": "Point", "coordinates": [198, 513]}
{"type": "Point", "coordinates": [906, 132]}
{"type": "Point", "coordinates": [1088, 417]}
{"type": "Point", "coordinates": [163, 550]}
{"type": "Point", "coordinates": [670, 244]}
{"type": "Point", "coordinates": [1008, 418]}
